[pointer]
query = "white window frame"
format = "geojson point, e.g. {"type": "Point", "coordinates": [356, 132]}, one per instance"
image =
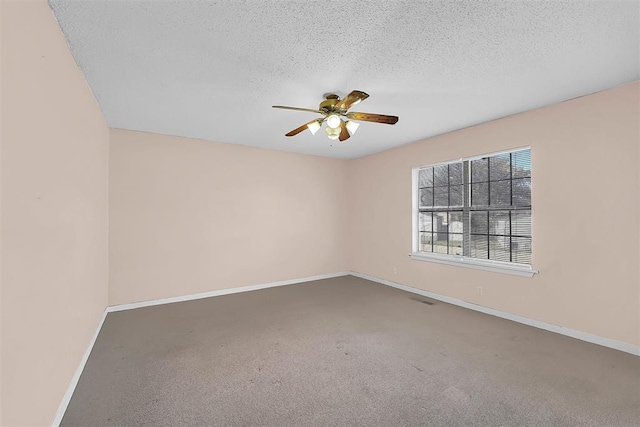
{"type": "Point", "coordinates": [524, 270]}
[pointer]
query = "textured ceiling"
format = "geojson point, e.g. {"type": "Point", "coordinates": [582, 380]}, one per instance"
{"type": "Point", "coordinates": [212, 69]}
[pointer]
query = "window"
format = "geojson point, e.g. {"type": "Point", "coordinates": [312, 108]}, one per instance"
{"type": "Point", "coordinates": [476, 212]}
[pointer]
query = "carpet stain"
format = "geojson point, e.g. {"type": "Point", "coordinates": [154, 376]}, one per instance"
{"type": "Point", "coordinates": [456, 395]}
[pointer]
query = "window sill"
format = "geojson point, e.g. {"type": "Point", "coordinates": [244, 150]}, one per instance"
{"type": "Point", "coordinates": [495, 266]}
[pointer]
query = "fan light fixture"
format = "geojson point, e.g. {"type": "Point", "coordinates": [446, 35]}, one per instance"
{"type": "Point", "coordinates": [333, 121]}
{"type": "Point", "coordinates": [332, 133]}
{"type": "Point", "coordinates": [313, 127]}
{"type": "Point", "coordinates": [352, 126]}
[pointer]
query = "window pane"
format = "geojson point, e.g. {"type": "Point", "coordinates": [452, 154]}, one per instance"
{"type": "Point", "coordinates": [457, 195]}
{"type": "Point", "coordinates": [521, 250]}
{"type": "Point", "coordinates": [425, 242]}
{"type": "Point", "coordinates": [426, 197]}
{"type": "Point", "coordinates": [455, 244]}
{"type": "Point", "coordinates": [499, 248]}
{"type": "Point", "coordinates": [479, 222]}
{"type": "Point", "coordinates": [478, 247]}
{"type": "Point", "coordinates": [479, 170]}
{"type": "Point", "coordinates": [455, 173]}
{"type": "Point", "coordinates": [441, 175]}
{"type": "Point", "coordinates": [425, 177]}
{"type": "Point", "coordinates": [441, 196]}
{"type": "Point", "coordinates": [521, 164]}
{"type": "Point", "coordinates": [440, 243]}
{"type": "Point", "coordinates": [522, 192]}
{"type": "Point", "coordinates": [424, 221]}
{"type": "Point", "coordinates": [455, 222]}
{"type": "Point", "coordinates": [500, 193]}
{"type": "Point", "coordinates": [499, 222]}
{"type": "Point", "coordinates": [500, 167]}
{"type": "Point", "coordinates": [521, 223]}
{"type": "Point", "coordinates": [440, 222]}
{"type": "Point", "coordinates": [480, 194]}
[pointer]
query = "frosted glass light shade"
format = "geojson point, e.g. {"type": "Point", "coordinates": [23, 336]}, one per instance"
{"type": "Point", "coordinates": [333, 121]}
{"type": "Point", "coordinates": [332, 133]}
{"type": "Point", "coordinates": [313, 127]}
{"type": "Point", "coordinates": [352, 126]}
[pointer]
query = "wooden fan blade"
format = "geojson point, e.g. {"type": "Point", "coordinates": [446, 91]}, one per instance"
{"type": "Point", "coordinates": [369, 117]}
{"type": "Point", "coordinates": [353, 98]}
{"type": "Point", "coordinates": [298, 109]}
{"type": "Point", "coordinates": [344, 132]}
{"type": "Point", "coordinates": [301, 128]}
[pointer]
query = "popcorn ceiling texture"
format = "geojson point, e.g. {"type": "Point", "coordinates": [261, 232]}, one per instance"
{"type": "Point", "coordinates": [213, 69]}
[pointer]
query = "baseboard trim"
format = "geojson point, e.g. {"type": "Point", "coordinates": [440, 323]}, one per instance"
{"type": "Point", "coordinates": [584, 336]}
{"type": "Point", "coordinates": [149, 303]}
{"type": "Point", "coordinates": [76, 376]}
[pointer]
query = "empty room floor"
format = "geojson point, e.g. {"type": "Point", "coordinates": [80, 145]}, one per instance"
{"type": "Point", "coordinates": [344, 352]}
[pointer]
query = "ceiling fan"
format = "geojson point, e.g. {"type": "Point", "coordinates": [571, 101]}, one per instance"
{"type": "Point", "coordinates": [340, 124]}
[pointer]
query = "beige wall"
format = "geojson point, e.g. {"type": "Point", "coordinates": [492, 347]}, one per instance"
{"type": "Point", "coordinates": [54, 214]}
{"type": "Point", "coordinates": [1, 127]}
{"type": "Point", "coordinates": [585, 215]}
{"type": "Point", "coordinates": [190, 216]}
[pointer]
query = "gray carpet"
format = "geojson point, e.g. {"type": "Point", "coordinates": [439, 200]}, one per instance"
{"type": "Point", "coordinates": [345, 352]}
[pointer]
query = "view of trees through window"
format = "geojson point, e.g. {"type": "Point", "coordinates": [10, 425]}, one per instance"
{"type": "Point", "coordinates": [478, 208]}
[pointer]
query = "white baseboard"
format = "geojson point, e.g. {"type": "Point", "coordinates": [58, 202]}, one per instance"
{"type": "Point", "coordinates": [595, 339]}
{"type": "Point", "coordinates": [149, 303]}
{"type": "Point", "coordinates": [76, 376]}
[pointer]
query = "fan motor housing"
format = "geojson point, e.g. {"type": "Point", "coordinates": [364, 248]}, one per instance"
{"type": "Point", "coordinates": [330, 101]}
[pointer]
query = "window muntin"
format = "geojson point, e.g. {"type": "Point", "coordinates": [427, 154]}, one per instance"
{"type": "Point", "coordinates": [477, 208]}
